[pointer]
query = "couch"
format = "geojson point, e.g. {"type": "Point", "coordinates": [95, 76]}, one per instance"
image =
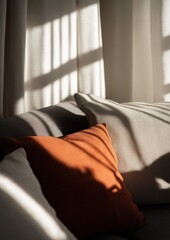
{"type": "Point", "coordinates": [100, 170]}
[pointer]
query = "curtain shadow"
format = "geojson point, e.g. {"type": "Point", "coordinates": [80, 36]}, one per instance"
{"type": "Point", "coordinates": [56, 8]}
{"type": "Point", "coordinates": [65, 69]}
{"type": "Point", "coordinates": [166, 43]}
{"type": "Point", "coordinates": [60, 78]}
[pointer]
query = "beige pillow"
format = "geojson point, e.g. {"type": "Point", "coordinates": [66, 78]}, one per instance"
{"type": "Point", "coordinates": [140, 134]}
{"type": "Point", "coordinates": [24, 211]}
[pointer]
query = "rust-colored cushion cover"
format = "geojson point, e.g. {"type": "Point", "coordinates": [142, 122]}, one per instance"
{"type": "Point", "coordinates": [79, 177]}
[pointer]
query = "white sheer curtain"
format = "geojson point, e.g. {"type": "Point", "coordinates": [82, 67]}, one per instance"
{"type": "Point", "coordinates": [2, 46]}
{"type": "Point", "coordinates": [50, 49]}
{"type": "Point", "coordinates": [132, 47]}
{"type": "Point", "coordinates": [63, 51]}
{"type": "Point", "coordinates": [12, 56]}
{"type": "Point", "coordinates": [51, 52]}
{"type": "Point", "coordinates": [90, 52]}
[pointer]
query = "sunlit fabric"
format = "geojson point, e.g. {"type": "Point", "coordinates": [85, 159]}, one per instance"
{"type": "Point", "coordinates": [162, 184]}
{"type": "Point", "coordinates": [31, 207]}
{"type": "Point", "coordinates": [51, 49]}
{"type": "Point", "coordinates": [63, 54]}
{"type": "Point", "coordinates": [165, 18]}
{"type": "Point", "coordinates": [166, 71]}
{"type": "Point", "coordinates": [90, 55]}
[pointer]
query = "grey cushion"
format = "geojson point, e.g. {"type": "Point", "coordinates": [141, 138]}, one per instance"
{"type": "Point", "coordinates": [157, 226]}
{"type": "Point", "coordinates": [24, 211]}
{"type": "Point", "coordinates": [140, 133]}
{"type": "Point", "coordinates": [57, 120]}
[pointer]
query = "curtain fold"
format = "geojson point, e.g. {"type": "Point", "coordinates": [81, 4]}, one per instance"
{"type": "Point", "coordinates": [65, 35]}
{"type": "Point", "coordinates": [2, 47]}
{"type": "Point", "coordinates": [51, 52]}
{"type": "Point", "coordinates": [13, 16]}
{"type": "Point", "coordinates": [16, 19]}
{"type": "Point", "coordinates": [146, 42]}
{"type": "Point", "coordinates": [89, 45]}
{"type": "Point", "coordinates": [116, 20]}
{"type": "Point", "coordinates": [132, 46]}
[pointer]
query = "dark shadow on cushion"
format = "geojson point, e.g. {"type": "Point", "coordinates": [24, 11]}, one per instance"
{"type": "Point", "coordinates": [15, 127]}
{"type": "Point", "coordinates": [57, 120]}
{"type": "Point", "coordinates": [154, 177]}
{"type": "Point", "coordinates": [67, 121]}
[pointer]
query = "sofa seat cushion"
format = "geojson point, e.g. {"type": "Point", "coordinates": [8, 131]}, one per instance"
{"type": "Point", "coordinates": [107, 237]}
{"type": "Point", "coordinates": [140, 134]}
{"type": "Point", "coordinates": [157, 225]}
{"type": "Point", "coordinates": [79, 177]}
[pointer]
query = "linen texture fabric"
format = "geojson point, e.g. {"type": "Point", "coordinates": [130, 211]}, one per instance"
{"type": "Point", "coordinates": [24, 211]}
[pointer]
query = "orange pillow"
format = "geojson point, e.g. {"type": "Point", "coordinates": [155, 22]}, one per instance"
{"type": "Point", "coordinates": [79, 177]}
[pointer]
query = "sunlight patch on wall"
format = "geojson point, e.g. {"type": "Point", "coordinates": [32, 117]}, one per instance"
{"type": "Point", "coordinates": [46, 48]}
{"type": "Point", "coordinates": [50, 45]}
{"type": "Point", "coordinates": [166, 66]}
{"type": "Point", "coordinates": [74, 84]}
{"type": "Point", "coordinates": [56, 91]}
{"type": "Point", "coordinates": [64, 87]}
{"type": "Point", "coordinates": [89, 36]}
{"type": "Point", "coordinates": [166, 72]}
{"type": "Point", "coordinates": [166, 97]}
{"type": "Point", "coordinates": [56, 44]}
{"type": "Point", "coordinates": [64, 56]}
{"type": "Point", "coordinates": [38, 51]}
{"type": "Point", "coordinates": [99, 86]}
{"type": "Point", "coordinates": [51, 62]}
{"type": "Point", "coordinates": [19, 106]}
{"type": "Point", "coordinates": [166, 53]}
{"type": "Point", "coordinates": [95, 81]}
{"type": "Point", "coordinates": [64, 39]}
{"type": "Point", "coordinates": [91, 73]}
{"type": "Point", "coordinates": [73, 35]}
{"type": "Point", "coordinates": [165, 18]}
{"type": "Point", "coordinates": [46, 95]}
